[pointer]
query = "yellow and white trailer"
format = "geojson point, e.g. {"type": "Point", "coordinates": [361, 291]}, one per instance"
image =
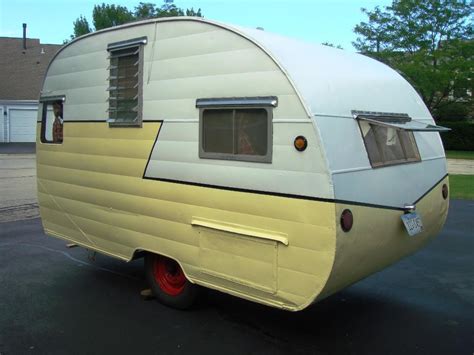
{"type": "Point", "coordinates": [235, 159]}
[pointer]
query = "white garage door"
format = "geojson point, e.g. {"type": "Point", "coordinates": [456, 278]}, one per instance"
{"type": "Point", "coordinates": [22, 125]}
{"type": "Point", "coordinates": [3, 137]}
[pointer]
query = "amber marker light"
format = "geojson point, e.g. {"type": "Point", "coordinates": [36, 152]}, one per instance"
{"type": "Point", "coordinates": [300, 143]}
{"type": "Point", "coordinates": [445, 191]}
{"type": "Point", "coordinates": [347, 220]}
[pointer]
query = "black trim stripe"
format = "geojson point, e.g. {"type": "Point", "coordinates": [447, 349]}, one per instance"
{"type": "Point", "coordinates": [431, 189]}
{"type": "Point", "coordinates": [152, 148]}
{"type": "Point", "coordinates": [277, 194]}
{"type": "Point", "coordinates": [99, 121]}
{"type": "Point", "coordinates": [300, 197]}
{"type": "Point", "coordinates": [84, 121]}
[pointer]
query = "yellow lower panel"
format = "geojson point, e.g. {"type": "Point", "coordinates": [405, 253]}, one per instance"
{"type": "Point", "coordinates": [378, 238]}
{"type": "Point", "coordinates": [91, 191]}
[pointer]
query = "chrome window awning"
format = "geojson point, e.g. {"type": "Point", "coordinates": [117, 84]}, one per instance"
{"type": "Point", "coordinates": [271, 101]}
{"type": "Point", "coordinates": [398, 121]}
{"type": "Point", "coordinates": [127, 43]}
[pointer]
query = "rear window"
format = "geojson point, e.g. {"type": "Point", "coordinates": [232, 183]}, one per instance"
{"type": "Point", "coordinates": [388, 146]}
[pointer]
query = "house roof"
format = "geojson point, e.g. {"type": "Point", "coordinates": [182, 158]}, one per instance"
{"type": "Point", "coordinates": [22, 71]}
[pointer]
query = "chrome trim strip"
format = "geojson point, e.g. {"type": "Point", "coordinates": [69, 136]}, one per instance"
{"type": "Point", "coordinates": [409, 208]}
{"type": "Point", "coordinates": [127, 43]}
{"type": "Point", "coordinates": [398, 121]}
{"type": "Point", "coordinates": [237, 101]}
{"type": "Point", "coordinates": [389, 117]}
{"type": "Point", "coordinates": [52, 98]}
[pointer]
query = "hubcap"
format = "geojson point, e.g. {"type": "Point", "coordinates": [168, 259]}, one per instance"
{"type": "Point", "coordinates": [168, 275]}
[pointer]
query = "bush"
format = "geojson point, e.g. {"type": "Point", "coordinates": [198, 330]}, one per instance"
{"type": "Point", "coordinates": [457, 111]}
{"type": "Point", "coordinates": [461, 136]}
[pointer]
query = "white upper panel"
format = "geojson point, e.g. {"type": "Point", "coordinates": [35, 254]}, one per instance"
{"type": "Point", "coordinates": [331, 84]}
{"type": "Point", "coordinates": [197, 58]}
{"type": "Point", "coordinates": [335, 82]}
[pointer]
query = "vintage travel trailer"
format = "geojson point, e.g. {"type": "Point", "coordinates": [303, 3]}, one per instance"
{"type": "Point", "coordinates": [235, 159]}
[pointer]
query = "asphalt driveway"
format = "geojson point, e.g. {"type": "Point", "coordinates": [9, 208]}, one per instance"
{"type": "Point", "coordinates": [54, 300]}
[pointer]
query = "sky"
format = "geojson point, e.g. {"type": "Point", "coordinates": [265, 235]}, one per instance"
{"type": "Point", "coordinates": [316, 21]}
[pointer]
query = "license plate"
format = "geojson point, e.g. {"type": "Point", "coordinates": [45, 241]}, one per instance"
{"type": "Point", "coordinates": [413, 224]}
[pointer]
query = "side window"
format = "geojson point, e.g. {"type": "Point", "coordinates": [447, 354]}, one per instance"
{"type": "Point", "coordinates": [388, 146]}
{"type": "Point", "coordinates": [125, 82]}
{"type": "Point", "coordinates": [52, 121]}
{"type": "Point", "coordinates": [236, 134]}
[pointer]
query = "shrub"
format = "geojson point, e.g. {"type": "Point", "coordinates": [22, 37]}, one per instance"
{"type": "Point", "coordinates": [461, 136]}
{"type": "Point", "coordinates": [457, 111]}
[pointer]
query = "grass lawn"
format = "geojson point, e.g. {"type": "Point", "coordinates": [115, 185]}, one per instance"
{"type": "Point", "coordinates": [459, 154]}
{"type": "Point", "coordinates": [462, 186]}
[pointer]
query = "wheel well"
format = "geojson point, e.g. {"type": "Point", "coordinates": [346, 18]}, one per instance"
{"type": "Point", "coordinates": [138, 254]}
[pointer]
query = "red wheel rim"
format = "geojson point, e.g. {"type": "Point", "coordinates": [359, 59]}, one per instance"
{"type": "Point", "coordinates": [168, 275]}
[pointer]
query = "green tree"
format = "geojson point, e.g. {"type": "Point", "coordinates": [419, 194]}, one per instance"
{"type": "Point", "coordinates": [105, 16]}
{"type": "Point", "coordinates": [170, 10]}
{"type": "Point", "coordinates": [192, 12]}
{"type": "Point", "coordinates": [328, 44]}
{"type": "Point", "coordinates": [145, 10]}
{"type": "Point", "coordinates": [429, 41]}
{"type": "Point", "coordinates": [374, 35]}
{"type": "Point", "coordinates": [81, 27]}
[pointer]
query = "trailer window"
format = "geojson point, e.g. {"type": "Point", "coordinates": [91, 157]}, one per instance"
{"type": "Point", "coordinates": [52, 122]}
{"type": "Point", "coordinates": [236, 134]}
{"type": "Point", "coordinates": [125, 83]}
{"type": "Point", "coordinates": [388, 145]}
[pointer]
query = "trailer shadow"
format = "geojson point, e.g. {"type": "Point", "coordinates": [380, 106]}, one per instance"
{"type": "Point", "coordinates": [361, 318]}
{"type": "Point", "coordinates": [352, 320]}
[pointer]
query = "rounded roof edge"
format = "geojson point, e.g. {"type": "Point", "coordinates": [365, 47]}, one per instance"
{"type": "Point", "coordinates": [333, 82]}
{"type": "Point", "coordinates": [236, 29]}
{"type": "Point", "coordinates": [328, 81]}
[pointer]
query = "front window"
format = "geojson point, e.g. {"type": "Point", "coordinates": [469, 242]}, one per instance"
{"type": "Point", "coordinates": [52, 121]}
{"type": "Point", "coordinates": [388, 145]}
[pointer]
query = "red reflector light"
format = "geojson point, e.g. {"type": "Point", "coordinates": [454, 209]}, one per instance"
{"type": "Point", "coordinates": [445, 191]}
{"type": "Point", "coordinates": [347, 220]}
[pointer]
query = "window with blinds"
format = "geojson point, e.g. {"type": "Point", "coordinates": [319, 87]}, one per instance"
{"type": "Point", "coordinates": [125, 82]}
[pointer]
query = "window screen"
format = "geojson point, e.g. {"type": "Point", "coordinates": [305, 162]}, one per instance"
{"type": "Point", "coordinates": [388, 145]}
{"type": "Point", "coordinates": [52, 122]}
{"type": "Point", "coordinates": [125, 80]}
{"type": "Point", "coordinates": [236, 134]}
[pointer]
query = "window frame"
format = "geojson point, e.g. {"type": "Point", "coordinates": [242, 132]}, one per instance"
{"type": "Point", "coordinates": [265, 103]}
{"type": "Point", "coordinates": [45, 101]}
{"type": "Point", "coordinates": [138, 43]}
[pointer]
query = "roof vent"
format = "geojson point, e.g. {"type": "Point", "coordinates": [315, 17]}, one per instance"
{"type": "Point", "coordinates": [42, 51]}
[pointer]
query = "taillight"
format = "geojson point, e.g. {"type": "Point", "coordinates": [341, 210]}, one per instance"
{"type": "Point", "coordinates": [347, 220]}
{"type": "Point", "coordinates": [445, 191]}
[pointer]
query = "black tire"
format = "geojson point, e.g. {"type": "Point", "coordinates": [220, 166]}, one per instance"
{"type": "Point", "coordinates": [168, 282]}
